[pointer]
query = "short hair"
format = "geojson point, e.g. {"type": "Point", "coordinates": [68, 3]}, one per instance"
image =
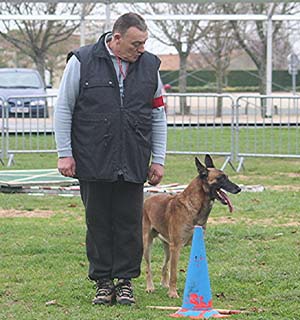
{"type": "Point", "coordinates": [128, 20]}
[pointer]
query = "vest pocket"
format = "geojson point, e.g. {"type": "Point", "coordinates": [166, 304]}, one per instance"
{"type": "Point", "coordinates": [138, 144]}
{"type": "Point", "coordinates": [139, 129]}
{"type": "Point", "coordinates": [96, 94]}
{"type": "Point", "coordinates": [92, 144]}
{"type": "Point", "coordinates": [90, 83]}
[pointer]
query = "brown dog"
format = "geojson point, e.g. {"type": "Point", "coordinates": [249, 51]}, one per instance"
{"type": "Point", "coordinates": [172, 218]}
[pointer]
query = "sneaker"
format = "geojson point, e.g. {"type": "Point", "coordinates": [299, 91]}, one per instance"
{"type": "Point", "coordinates": [105, 293]}
{"type": "Point", "coordinates": [124, 292]}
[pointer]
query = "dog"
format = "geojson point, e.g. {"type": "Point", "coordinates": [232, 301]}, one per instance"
{"type": "Point", "coordinates": [172, 218]}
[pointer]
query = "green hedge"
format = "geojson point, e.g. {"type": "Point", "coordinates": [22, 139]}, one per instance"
{"type": "Point", "coordinates": [209, 89]}
{"type": "Point", "coordinates": [206, 80]}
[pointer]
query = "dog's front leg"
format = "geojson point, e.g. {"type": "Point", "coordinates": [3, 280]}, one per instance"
{"type": "Point", "coordinates": [165, 278]}
{"type": "Point", "coordinates": [147, 241]}
{"type": "Point", "coordinates": [149, 281]}
{"type": "Point", "coordinates": [174, 255]}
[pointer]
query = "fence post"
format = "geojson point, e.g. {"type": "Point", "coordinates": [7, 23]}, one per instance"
{"type": "Point", "coordinates": [6, 126]}
{"type": "Point", "coordinates": [238, 159]}
{"type": "Point", "coordinates": [2, 132]}
{"type": "Point", "coordinates": [235, 141]}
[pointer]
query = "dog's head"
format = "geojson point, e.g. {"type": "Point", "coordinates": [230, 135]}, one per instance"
{"type": "Point", "coordinates": [216, 182]}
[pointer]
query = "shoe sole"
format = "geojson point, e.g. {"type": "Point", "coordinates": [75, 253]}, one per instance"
{"type": "Point", "coordinates": [104, 302]}
{"type": "Point", "coordinates": [125, 302]}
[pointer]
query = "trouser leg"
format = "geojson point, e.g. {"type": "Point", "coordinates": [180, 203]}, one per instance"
{"type": "Point", "coordinates": [127, 224]}
{"type": "Point", "coordinates": [99, 235]}
{"type": "Point", "coordinates": [114, 228]}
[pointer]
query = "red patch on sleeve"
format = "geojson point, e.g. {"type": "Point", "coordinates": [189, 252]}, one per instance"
{"type": "Point", "coordinates": [158, 102]}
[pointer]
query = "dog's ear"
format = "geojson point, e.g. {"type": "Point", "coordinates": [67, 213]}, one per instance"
{"type": "Point", "coordinates": [209, 162]}
{"type": "Point", "coordinates": [203, 173]}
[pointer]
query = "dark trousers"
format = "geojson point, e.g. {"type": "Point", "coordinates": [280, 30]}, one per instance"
{"type": "Point", "coordinates": [114, 228]}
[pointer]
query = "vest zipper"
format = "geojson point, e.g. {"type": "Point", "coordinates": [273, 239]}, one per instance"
{"type": "Point", "coordinates": [119, 168]}
{"type": "Point", "coordinates": [120, 171]}
{"type": "Point", "coordinates": [121, 154]}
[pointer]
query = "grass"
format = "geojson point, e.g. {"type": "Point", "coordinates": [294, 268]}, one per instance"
{"type": "Point", "coordinates": [259, 140]}
{"type": "Point", "coordinates": [253, 254]}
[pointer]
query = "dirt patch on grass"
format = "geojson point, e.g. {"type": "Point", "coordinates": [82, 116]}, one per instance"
{"type": "Point", "coordinates": [293, 174]}
{"type": "Point", "coordinates": [222, 220]}
{"type": "Point", "coordinates": [247, 178]}
{"type": "Point", "coordinates": [12, 213]}
{"type": "Point", "coordinates": [261, 222]}
{"type": "Point", "coordinates": [284, 188]}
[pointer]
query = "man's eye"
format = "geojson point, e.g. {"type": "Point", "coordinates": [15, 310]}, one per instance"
{"type": "Point", "coordinates": [138, 44]}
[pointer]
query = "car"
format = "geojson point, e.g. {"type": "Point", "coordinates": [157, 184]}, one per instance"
{"type": "Point", "coordinates": [23, 91]}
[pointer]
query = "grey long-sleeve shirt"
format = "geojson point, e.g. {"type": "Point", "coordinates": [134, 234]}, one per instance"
{"type": "Point", "coordinates": [67, 95]}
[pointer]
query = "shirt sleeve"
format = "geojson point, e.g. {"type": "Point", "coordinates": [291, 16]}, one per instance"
{"type": "Point", "coordinates": [158, 100]}
{"type": "Point", "coordinates": [159, 127]}
{"type": "Point", "coordinates": [66, 99]}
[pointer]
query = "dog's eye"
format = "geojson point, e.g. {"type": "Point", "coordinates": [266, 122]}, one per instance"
{"type": "Point", "coordinates": [221, 178]}
{"type": "Point", "coordinates": [203, 175]}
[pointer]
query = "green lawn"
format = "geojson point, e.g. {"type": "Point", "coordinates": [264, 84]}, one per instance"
{"type": "Point", "coordinates": [259, 140]}
{"type": "Point", "coordinates": [253, 254]}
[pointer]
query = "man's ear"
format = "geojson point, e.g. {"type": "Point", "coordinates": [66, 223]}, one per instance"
{"type": "Point", "coordinates": [203, 173]}
{"type": "Point", "coordinates": [117, 36]}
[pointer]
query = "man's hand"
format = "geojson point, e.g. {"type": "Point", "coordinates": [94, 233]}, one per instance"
{"type": "Point", "coordinates": [155, 174]}
{"type": "Point", "coordinates": [66, 166]}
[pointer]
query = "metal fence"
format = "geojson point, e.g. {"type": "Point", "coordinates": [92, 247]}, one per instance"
{"type": "Point", "coordinates": [200, 123]}
{"type": "Point", "coordinates": [27, 125]}
{"type": "Point", "coordinates": [235, 127]}
{"type": "Point", "coordinates": [2, 153]}
{"type": "Point", "coordinates": [267, 126]}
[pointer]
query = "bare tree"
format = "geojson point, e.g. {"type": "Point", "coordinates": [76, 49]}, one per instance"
{"type": "Point", "coordinates": [56, 56]}
{"type": "Point", "coordinates": [34, 38]}
{"type": "Point", "coordinates": [216, 47]}
{"type": "Point", "coordinates": [283, 47]}
{"type": "Point", "coordinates": [252, 37]}
{"type": "Point", "coordinates": [180, 34]}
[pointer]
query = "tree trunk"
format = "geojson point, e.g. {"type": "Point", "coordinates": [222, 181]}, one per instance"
{"type": "Point", "coordinates": [262, 90]}
{"type": "Point", "coordinates": [40, 66]}
{"type": "Point", "coordinates": [184, 108]}
{"type": "Point", "coordinates": [220, 82]}
{"type": "Point", "coordinates": [219, 78]}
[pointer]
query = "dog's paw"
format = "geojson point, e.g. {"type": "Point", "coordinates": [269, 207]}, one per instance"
{"type": "Point", "coordinates": [165, 284]}
{"type": "Point", "coordinates": [173, 294]}
{"type": "Point", "coordinates": [150, 290]}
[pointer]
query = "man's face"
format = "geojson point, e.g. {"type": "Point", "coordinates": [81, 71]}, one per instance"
{"type": "Point", "coordinates": [131, 44]}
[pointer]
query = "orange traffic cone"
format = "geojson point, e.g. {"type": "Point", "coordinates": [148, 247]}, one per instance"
{"type": "Point", "coordinates": [197, 300]}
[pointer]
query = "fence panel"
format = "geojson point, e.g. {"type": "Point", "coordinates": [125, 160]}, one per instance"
{"type": "Point", "coordinates": [3, 130]}
{"type": "Point", "coordinates": [244, 126]}
{"type": "Point", "coordinates": [268, 126]}
{"type": "Point", "coordinates": [200, 123]}
{"type": "Point", "coordinates": [29, 124]}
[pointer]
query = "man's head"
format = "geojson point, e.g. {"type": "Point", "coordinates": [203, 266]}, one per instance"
{"type": "Point", "coordinates": [129, 36]}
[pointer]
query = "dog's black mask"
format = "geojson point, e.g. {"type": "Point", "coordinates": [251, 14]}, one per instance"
{"type": "Point", "coordinates": [217, 182]}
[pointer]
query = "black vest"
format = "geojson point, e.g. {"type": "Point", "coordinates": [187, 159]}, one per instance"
{"type": "Point", "coordinates": [112, 136]}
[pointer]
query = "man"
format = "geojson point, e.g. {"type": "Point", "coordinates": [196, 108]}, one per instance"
{"type": "Point", "coordinates": [109, 122]}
